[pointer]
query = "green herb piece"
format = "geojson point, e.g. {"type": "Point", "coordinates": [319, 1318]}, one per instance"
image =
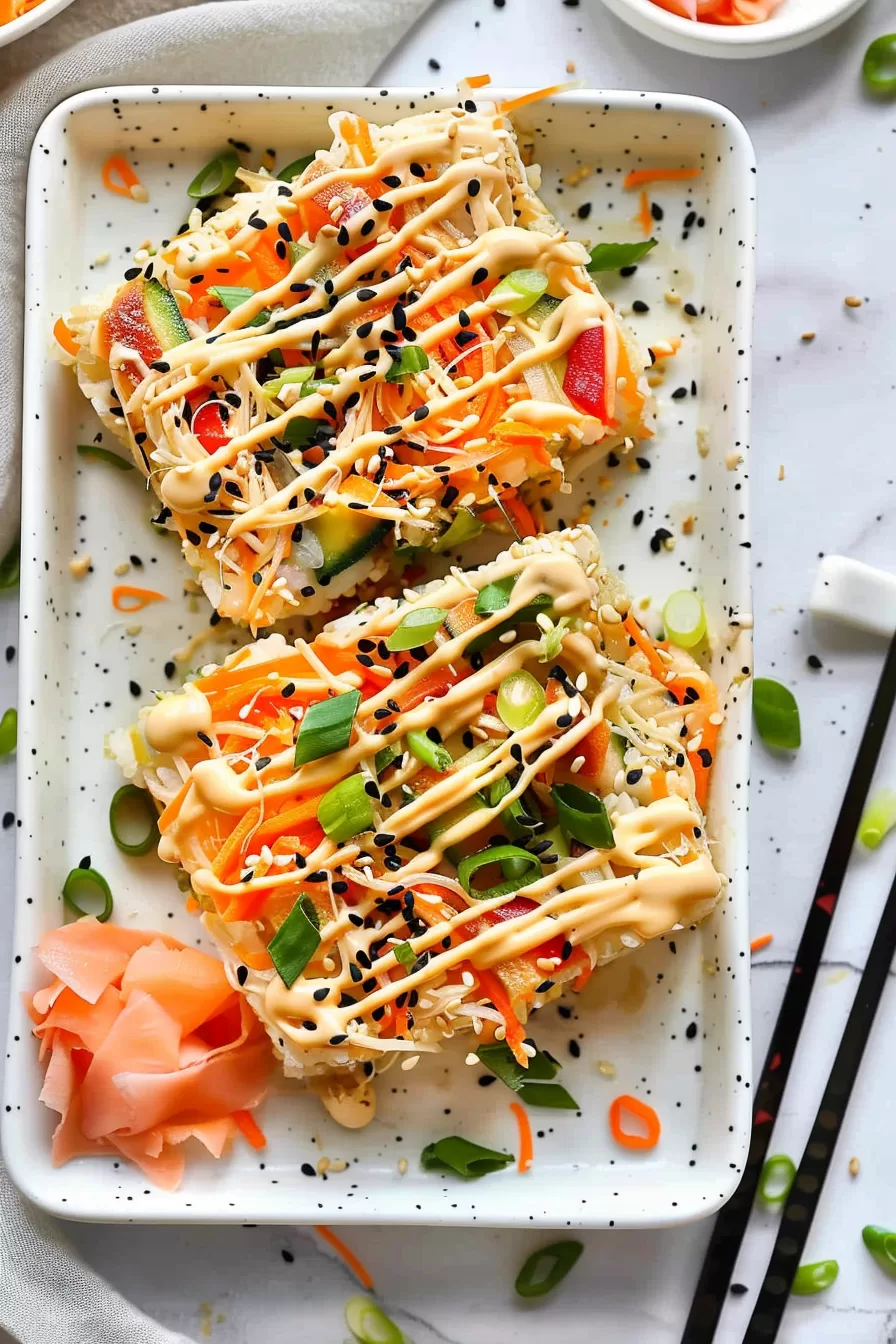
{"type": "Point", "coordinates": [613, 256]}
{"type": "Point", "coordinates": [87, 882]}
{"type": "Point", "coordinates": [583, 816]}
{"type": "Point", "coordinates": [430, 753]}
{"type": "Point", "coordinates": [551, 641]}
{"type": "Point", "coordinates": [274, 386]}
{"type": "Point", "coordinates": [9, 732]}
{"type": "Point", "coordinates": [369, 1324]}
{"type": "Point", "coordinates": [296, 252]}
{"type": "Point", "coordinates": [405, 954]}
{"type": "Point", "coordinates": [412, 359]}
{"type": "Point", "coordinates": [464, 527]}
{"type": "Point", "coordinates": [326, 727]}
{"type": "Point", "coordinates": [300, 431]}
{"type": "Point", "coordinates": [317, 385]}
{"type": "Point", "coordinates": [879, 65]}
{"type": "Point", "coordinates": [500, 1060]}
{"type": "Point", "coordinates": [295, 169]}
{"type": "Point", "coordinates": [518, 292]}
{"type": "Point", "coordinates": [814, 1278]}
{"type": "Point", "coordinates": [103, 455]}
{"type": "Point", "coordinates": [776, 1180]}
{"type": "Point", "coordinates": [494, 596]}
{"type": "Point", "coordinates": [384, 758]}
{"type": "Point", "coordinates": [520, 700]}
{"type": "Point", "coordinates": [776, 714]}
{"type": "Point", "coordinates": [547, 1267]}
{"type": "Point", "coordinates": [525, 615]}
{"type": "Point", "coordinates": [520, 819]}
{"type": "Point", "coordinates": [125, 801]}
{"type": "Point", "coordinates": [469, 866]}
{"type": "Point", "coordinates": [296, 941]}
{"type": "Point", "coordinates": [417, 627]}
{"type": "Point", "coordinates": [217, 175]}
{"type": "Point", "coordinates": [345, 810]}
{"type": "Point", "coordinates": [878, 819]}
{"type": "Point", "coordinates": [233, 295]}
{"type": "Point", "coordinates": [9, 567]}
{"type": "Point", "coordinates": [881, 1242]}
{"type": "Point", "coordinates": [684, 618]}
{"type": "Point", "coordinates": [462, 1158]}
{"type": "Point", "coordinates": [551, 1096]}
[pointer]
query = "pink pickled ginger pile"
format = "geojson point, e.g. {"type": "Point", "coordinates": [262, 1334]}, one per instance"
{"type": "Point", "coordinates": [721, 11]}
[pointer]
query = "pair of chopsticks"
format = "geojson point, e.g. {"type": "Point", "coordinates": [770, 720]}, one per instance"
{"type": "Point", "coordinates": [721, 1254]}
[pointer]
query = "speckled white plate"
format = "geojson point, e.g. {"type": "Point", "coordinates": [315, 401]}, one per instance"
{"type": "Point", "coordinates": [673, 1019]}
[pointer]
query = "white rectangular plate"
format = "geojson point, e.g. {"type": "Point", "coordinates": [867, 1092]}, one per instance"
{"type": "Point", "coordinates": [673, 1019]}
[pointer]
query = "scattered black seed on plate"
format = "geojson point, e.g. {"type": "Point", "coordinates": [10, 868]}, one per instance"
{"type": "Point", "coordinates": [814, 662]}
{"type": "Point", "coordinates": [135, 688]}
{"type": "Point", "coordinates": [575, 1049]}
{"type": "Point", "coordinates": [639, 306]}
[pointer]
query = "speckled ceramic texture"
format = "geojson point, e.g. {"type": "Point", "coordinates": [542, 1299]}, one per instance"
{"type": "Point", "coordinates": [673, 1019]}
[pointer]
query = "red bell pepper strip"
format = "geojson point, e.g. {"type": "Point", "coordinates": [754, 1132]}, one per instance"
{"type": "Point", "coordinates": [210, 426]}
{"type": "Point", "coordinates": [585, 379]}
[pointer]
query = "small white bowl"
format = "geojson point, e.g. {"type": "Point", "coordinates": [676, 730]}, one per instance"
{"type": "Point", "coordinates": [9, 32]}
{"type": "Point", "coordinates": [794, 24]}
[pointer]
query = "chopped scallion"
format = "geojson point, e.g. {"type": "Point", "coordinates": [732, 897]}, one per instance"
{"type": "Point", "coordinates": [494, 596]}
{"type": "Point", "coordinates": [127, 801]}
{"type": "Point", "coordinates": [613, 256]}
{"type": "Point", "coordinates": [104, 455]}
{"type": "Point", "coordinates": [233, 295]}
{"type": "Point", "coordinates": [300, 431]}
{"type": "Point", "coordinates": [814, 1278]}
{"type": "Point", "coordinates": [547, 1267]}
{"type": "Point", "coordinates": [369, 1324]}
{"type": "Point", "coordinates": [881, 1242]}
{"type": "Point", "coordinates": [9, 567]}
{"type": "Point", "coordinates": [87, 881]}
{"type": "Point", "coordinates": [776, 1179]}
{"type": "Point", "coordinates": [462, 1158]}
{"type": "Point", "coordinates": [404, 954]}
{"type": "Point", "coordinates": [295, 169]}
{"type": "Point", "coordinates": [583, 816]}
{"type": "Point", "coordinates": [518, 292]}
{"type": "Point", "coordinates": [296, 941]}
{"type": "Point", "coordinates": [464, 527]}
{"type": "Point", "coordinates": [499, 1058]}
{"type": "Point", "coordinates": [878, 818]}
{"type": "Point", "coordinates": [217, 175]}
{"type": "Point", "coordinates": [412, 359]}
{"type": "Point", "coordinates": [530, 871]}
{"type": "Point", "coordinates": [274, 386]}
{"type": "Point", "coordinates": [345, 810]}
{"type": "Point", "coordinates": [684, 618]}
{"type": "Point", "coordinates": [384, 758]}
{"type": "Point", "coordinates": [9, 732]}
{"type": "Point", "coordinates": [429, 752]}
{"type": "Point", "coordinates": [416, 627]}
{"type": "Point", "coordinates": [520, 700]}
{"type": "Point", "coordinates": [326, 727]}
{"type": "Point", "coordinates": [776, 714]}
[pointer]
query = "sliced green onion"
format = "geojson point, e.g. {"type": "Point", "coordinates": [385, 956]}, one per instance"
{"type": "Point", "coordinates": [878, 818]}
{"type": "Point", "coordinates": [499, 1058]}
{"type": "Point", "coordinates": [537, 316]}
{"type": "Point", "coordinates": [613, 256]}
{"type": "Point", "coordinates": [384, 758]}
{"type": "Point", "coordinates": [776, 714]}
{"type": "Point", "coordinates": [429, 752]}
{"type": "Point", "coordinates": [551, 1096]}
{"type": "Point", "coordinates": [124, 801]}
{"type": "Point", "coordinates": [547, 1267]}
{"type": "Point", "coordinates": [469, 867]}
{"type": "Point", "coordinates": [233, 295]}
{"type": "Point", "coordinates": [300, 431]}
{"type": "Point", "coordinates": [464, 527]}
{"type": "Point", "coordinates": [494, 596]}
{"type": "Point", "coordinates": [315, 385]}
{"type": "Point", "coordinates": [684, 619]}
{"type": "Point", "coordinates": [551, 641]}
{"type": "Point", "coordinates": [518, 292]}
{"type": "Point", "coordinates": [775, 1182]}
{"type": "Point", "coordinates": [881, 1242]}
{"type": "Point", "coordinates": [559, 842]}
{"type": "Point", "coordinates": [369, 1324]}
{"type": "Point", "coordinates": [542, 602]}
{"type": "Point", "coordinates": [217, 175]}
{"type": "Point", "coordinates": [520, 819]}
{"type": "Point", "coordinates": [9, 732]}
{"type": "Point", "coordinates": [583, 816]}
{"type": "Point", "coordinates": [412, 359]}
{"type": "Point", "coordinates": [295, 169]}
{"type": "Point", "coordinates": [405, 954]}
{"type": "Point", "coordinates": [520, 700]}
{"type": "Point", "coordinates": [9, 567]}
{"type": "Point", "coordinates": [87, 881]}
{"type": "Point", "coordinates": [814, 1278]}
{"type": "Point", "coordinates": [879, 65]}
{"type": "Point", "coordinates": [274, 386]}
{"type": "Point", "coordinates": [345, 810]}
{"type": "Point", "coordinates": [296, 941]}
{"type": "Point", "coordinates": [103, 455]}
{"type": "Point", "coordinates": [296, 252]}
{"type": "Point", "coordinates": [326, 727]}
{"type": "Point", "coordinates": [462, 1158]}
{"type": "Point", "coordinates": [417, 627]}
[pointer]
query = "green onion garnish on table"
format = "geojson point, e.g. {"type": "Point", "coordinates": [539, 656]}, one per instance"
{"type": "Point", "coordinates": [417, 627]}
{"type": "Point", "coordinates": [127, 801]}
{"type": "Point", "coordinates": [814, 1278]}
{"type": "Point", "coordinates": [83, 882]}
{"type": "Point", "coordinates": [462, 1158]}
{"type": "Point", "coordinates": [878, 819]}
{"type": "Point", "coordinates": [547, 1267]}
{"type": "Point", "coordinates": [326, 727]}
{"type": "Point", "coordinates": [583, 816]}
{"type": "Point", "coordinates": [296, 941]}
{"type": "Point", "coordinates": [9, 566]}
{"type": "Point", "coordinates": [369, 1324]}
{"type": "Point", "coordinates": [529, 870]}
{"type": "Point", "coordinates": [881, 1242]}
{"type": "Point", "coordinates": [775, 1181]}
{"type": "Point", "coordinates": [9, 732]}
{"type": "Point", "coordinates": [684, 619]}
{"type": "Point", "coordinates": [346, 810]}
{"type": "Point", "coordinates": [613, 256]}
{"type": "Point", "coordinates": [217, 175]}
{"type": "Point", "coordinates": [534, 1085]}
{"type": "Point", "coordinates": [879, 65]}
{"type": "Point", "coordinates": [103, 455]}
{"type": "Point", "coordinates": [776, 714]}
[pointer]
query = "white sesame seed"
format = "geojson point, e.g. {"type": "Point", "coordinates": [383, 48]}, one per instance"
{"type": "Point", "coordinates": [410, 1063]}
{"type": "Point", "coordinates": [472, 1059]}
{"type": "Point", "coordinates": [582, 681]}
{"type": "Point", "coordinates": [508, 637]}
{"type": "Point", "coordinates": [577, 765]}
{"type": "Point", "coordinates": [528, 1050]}
{"type": "Point", "coordinates": [469, 979]}
{"type": "Point", "coordinates": [544, 622]}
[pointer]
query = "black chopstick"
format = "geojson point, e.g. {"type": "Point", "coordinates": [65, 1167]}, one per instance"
{"type": "Point", "coordinates": [799, 1209]}
{"type": "Point", "coordinates": [724, 1244]}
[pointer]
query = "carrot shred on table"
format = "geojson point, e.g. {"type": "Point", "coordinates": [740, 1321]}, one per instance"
{"type": "Point", "coordinates": [639, 177]}
{"type": "Point", "coordinates": [646, 1114]}
{"type": "Point", "coordinates": [127, 179]}
{"type": "Point", "coordinates": [524, 1161]}
{"type": "Point", "coordinates": [65, 337]}
{"type": "Point", "coordinates": [141, 597]}
{"type": "Point", "coordinates": [644, 217]}
{"type": "Point", "coordinates": [762, 941]}
{"type": "Point", "coordinates": [524, 99]}
{"type": "Point", "coordinates": [358, 1269]}
{"type": "Point", "coordinates": [250, 1131]}
{"type": "Point", "coordinates": [477, 81]}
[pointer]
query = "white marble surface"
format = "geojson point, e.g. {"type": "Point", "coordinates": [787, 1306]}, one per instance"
{"type": "Point", "coordinates": [825, 411]}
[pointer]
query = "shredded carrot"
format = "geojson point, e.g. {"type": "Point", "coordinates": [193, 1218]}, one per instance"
{"type": "Point", "coordinates": [762, 941]}
{"type": "Point", "coordinates": [523, 101]}
{"type": "Point", "coordinates": [644, 217]}
{"type": "Point", "coordinates": [65, 337]}
{"type": "Point", "coordinates": [177, 802]}
{"type": "Point", "coordinates": [639, 177]}
{"type": "Point", "coordinates": [477, 81]}
{"type": "Point", "coordinates": [192, 906]}
{"type": "Point", "coordinates": [138, 598]}
{"type": "Point", "coordinates": [233, 845]}
{"type": "Point", "coordinates": [356, 131]}
{"type": "Point", "coordinates": [339, 1246]}
{"type": "Point", "coordinates": [646, 645]}
{"type": "Point", "coordinates": [658, 786]}
{"type": "Point", "coordinates": [249, 1129]}
{"type": "Point", "coordinates": [646, 1114]}
{"type": "Point", "coordinates": [124, 181]}
{"type": "Point", "coordinates": [525, 1158]}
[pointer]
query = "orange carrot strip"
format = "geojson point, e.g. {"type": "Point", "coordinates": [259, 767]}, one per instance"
{"type": "Point", "coordinates": [645, 644]}
{"type": "Point", "coordinates": [762, 941]}
{"type": "Point", "coordinates": [171, 811]}
{"type": "Point", "coordinates": [127, 179]}
{"type": "Point", "coordinates": [356, 131]}
{"type": "Point", "coordinates": [658, 786]}
{"type": "Point", "coordinates": [281, 822]}
{"type": "Point", "coordinates": [138, 598]}
{"type": "Point", "coordinates": [639, 177]}
{"type": "Point", "coordinates": [477, 81]}
{"type": "Point", "coordinates": [515, 1032]}
{"type": "Point", "coordinates": [249, 1129]}
{"type": "Point", "coordinates": [523, 101]}
{"type": "Point", "coordinates": [339, 1246]}
{"type": "Point", "coordinates": [65, 337]}
{"type": "Point", "coordinates": [234, 842]}
{"type": "Point", "coordinates": [644, 217]}
{"type": "Point", "coordinates": [524, 1161]}
{"type": "Point", "coordinates": [192, 906]}
{"type": "Point", "coordinates": [646, 1114]}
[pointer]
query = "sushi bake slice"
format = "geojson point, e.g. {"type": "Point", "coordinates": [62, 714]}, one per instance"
{"type": "Point", "coordinates": [394, 349]}
{"type": "Point", "coordinates": [439, 815]}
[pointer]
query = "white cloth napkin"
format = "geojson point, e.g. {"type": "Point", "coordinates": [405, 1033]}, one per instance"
{"type": "Point", "coordinates": [46, 1293]}
{"type": "Point", "coordinates": [231, 41]}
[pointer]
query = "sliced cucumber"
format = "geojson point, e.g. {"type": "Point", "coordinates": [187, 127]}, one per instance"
{"type": "Point", "coordinates": [346, 536]}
